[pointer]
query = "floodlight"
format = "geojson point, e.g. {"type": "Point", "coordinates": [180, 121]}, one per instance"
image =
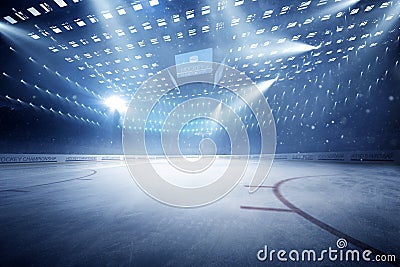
{"type": "Point", "coordinates": [116, 103]}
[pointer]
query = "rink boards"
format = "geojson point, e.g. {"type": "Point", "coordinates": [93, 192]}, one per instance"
{"type": "Point", "coordinates": [357, 156]}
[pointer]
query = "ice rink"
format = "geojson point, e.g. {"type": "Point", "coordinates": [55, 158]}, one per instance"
{"type": "Point", "coordinates": [93, 214]}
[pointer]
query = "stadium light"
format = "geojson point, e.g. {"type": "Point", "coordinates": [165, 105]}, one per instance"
{"type": "Point", "coordinates": [265, 85]}
{"type": "Point", "coordinates": [115, 103]}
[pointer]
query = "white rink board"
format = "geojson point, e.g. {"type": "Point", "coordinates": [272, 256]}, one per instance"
{"type": "Point", "coordinates": [354, 157]}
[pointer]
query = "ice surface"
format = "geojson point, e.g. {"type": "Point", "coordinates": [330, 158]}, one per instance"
{"type": "Point", "coordinates": [95, 215]}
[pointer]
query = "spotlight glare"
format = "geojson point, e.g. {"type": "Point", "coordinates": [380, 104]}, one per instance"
{"type": "Point", "coordinates": [115, 103]}
{"type": "Point", "coordinates": [265, 85]}
{"type": "Point", "coordinates": [296, 47]}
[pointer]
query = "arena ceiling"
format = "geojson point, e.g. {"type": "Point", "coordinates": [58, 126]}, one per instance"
{"type": "Point", "coordinates": [326, 58]}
